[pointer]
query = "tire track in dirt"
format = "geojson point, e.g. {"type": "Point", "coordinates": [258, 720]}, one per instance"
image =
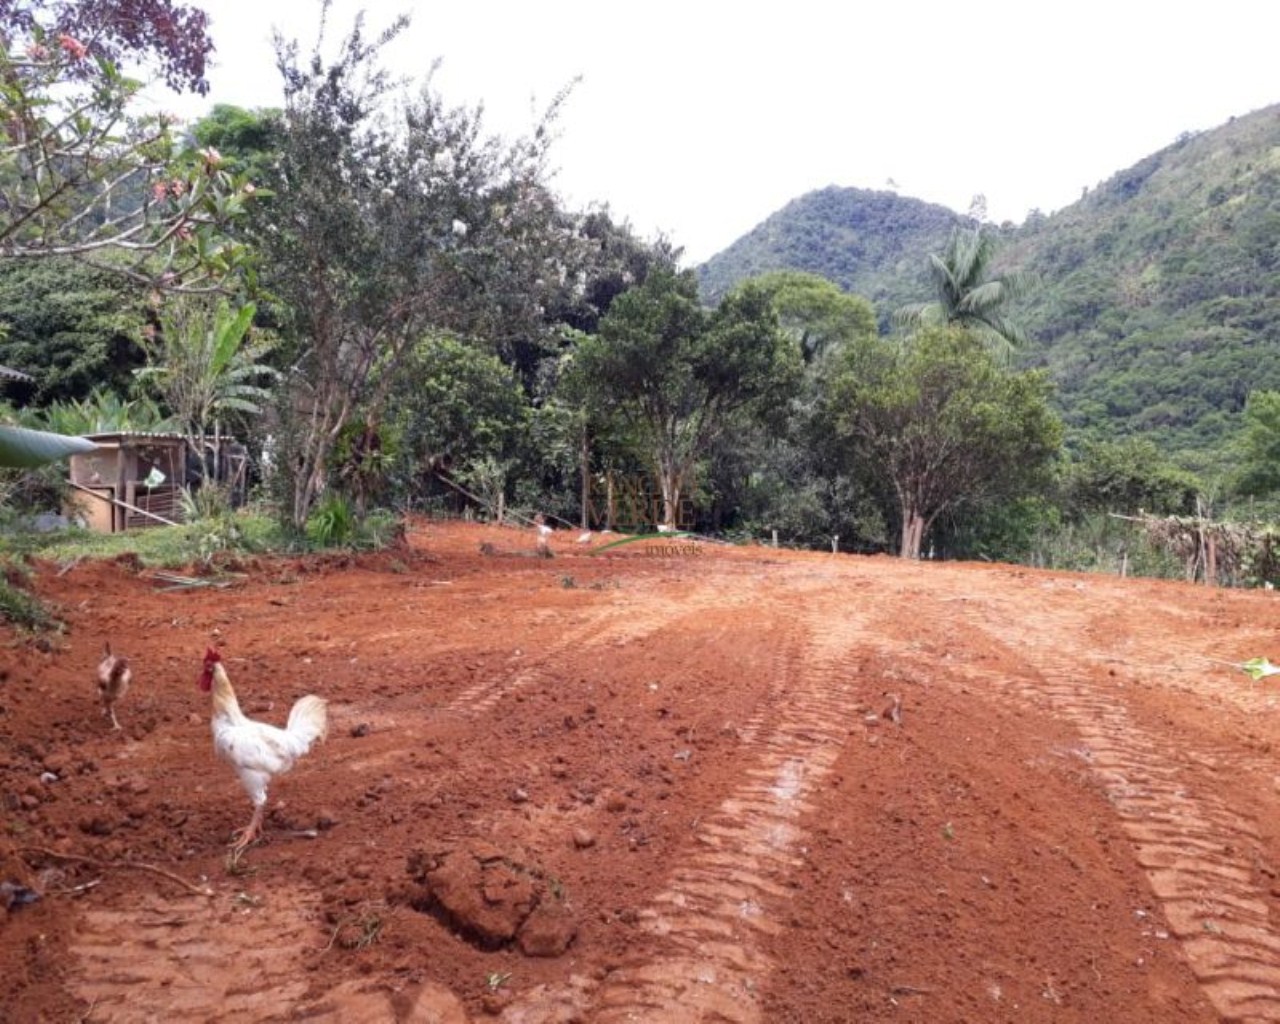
{"type": "Point", "coordinates": [195, 958]}
{"type": "Point", "coordinates": [1197, 851]}
{"type": "Point", "coordinates": [732, 887]}
{"type": "Point", "coordinates": [234, 957]}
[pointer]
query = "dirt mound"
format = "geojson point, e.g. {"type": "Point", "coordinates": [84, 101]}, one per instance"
{"type": "Point", "coordinates": [494, 898]}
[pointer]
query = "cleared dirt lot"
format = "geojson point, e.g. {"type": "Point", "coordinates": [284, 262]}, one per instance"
{"type": "Point", "coordinates": [736, 785]}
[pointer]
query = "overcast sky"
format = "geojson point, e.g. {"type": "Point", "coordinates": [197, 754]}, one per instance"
{"type": "Point", "coordinates": [700, 118]}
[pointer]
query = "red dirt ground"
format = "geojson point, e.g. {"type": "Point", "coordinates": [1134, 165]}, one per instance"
{"type": "Point", "coordinates": [646, 786]}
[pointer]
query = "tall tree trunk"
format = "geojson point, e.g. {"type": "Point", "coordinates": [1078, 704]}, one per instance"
{"type": "Point", "coordinates": [669, 479]}
{"type": "Point", "coordinates": [912, 532]}
{"type": "Point", "coordinates": [586, 478]}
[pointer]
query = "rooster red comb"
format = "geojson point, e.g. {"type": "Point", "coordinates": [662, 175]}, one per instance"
{"type": "Point", "coordinates": [211, 658]}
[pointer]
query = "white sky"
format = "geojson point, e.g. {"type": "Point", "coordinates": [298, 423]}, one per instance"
{"type": "Point", "coordinates": [700, 118]}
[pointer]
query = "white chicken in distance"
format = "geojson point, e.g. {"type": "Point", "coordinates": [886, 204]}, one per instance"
{"type": "Point", "coordinates": [257, 751]}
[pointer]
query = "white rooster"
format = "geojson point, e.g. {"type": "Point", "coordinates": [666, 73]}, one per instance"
{"type": "Point", "coordinates": [257, 751]}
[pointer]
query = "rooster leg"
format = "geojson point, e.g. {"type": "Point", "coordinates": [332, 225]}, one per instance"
{"type": "Point", "coordinates": [115, 722]}
{"type": "Point", "coordinates": [245, 836]}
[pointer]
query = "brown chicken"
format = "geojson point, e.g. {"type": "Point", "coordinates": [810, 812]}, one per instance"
{"type": "Point", "coordinates": [114, 676]}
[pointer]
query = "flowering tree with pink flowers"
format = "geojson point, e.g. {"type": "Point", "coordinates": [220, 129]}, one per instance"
{"type": "Point", "coordinates": [81, 173]}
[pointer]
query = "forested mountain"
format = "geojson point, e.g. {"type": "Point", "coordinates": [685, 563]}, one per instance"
{"type": "Point", "coordinates": [870, 243]}
{"type": "Point", "coordinates": [1158, 305]}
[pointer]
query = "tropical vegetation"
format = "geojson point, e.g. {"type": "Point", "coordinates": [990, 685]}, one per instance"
{"type": "Point", "coordinates": [395, 311]}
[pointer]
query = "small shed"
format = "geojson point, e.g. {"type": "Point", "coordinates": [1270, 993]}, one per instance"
{"type": "Point", "coordinates": [136, 479]}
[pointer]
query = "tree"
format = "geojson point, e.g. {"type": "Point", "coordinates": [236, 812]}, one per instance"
{"type": "Point", "coordinates": [383, 229]}
{"type": "Point", "coordinates": [1130, 476]}
{"type": "Point", "coordinates": [102, 412]}
{"type": "Point", "coordinates": [964, 293]}
{"type": "Point", "coordinates": [206, 365]}
{"type": "Point", "coordinates": [80, 174]}
{"type": "Point", "coordinates": [1260, 444]}
{"type": "Point", "coordinates": [71, 327]}
{"type": "Point", "coordinates": [816, 312]}
{"type": "Point", "coordinates": [943, 425]}
{"type": "Point", "coordinates": [80, 177]}
{"type": "Point", "coordinates": [248, 140]}
{"type": "Point", "coordinates": [678, 374]}
{"type": "Point", "coordinates": [454, 403]}
{"type": "Point", "coordinates": [172, 39]}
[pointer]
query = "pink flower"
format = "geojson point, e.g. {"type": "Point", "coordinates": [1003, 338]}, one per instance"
{"type": "Point", "coordinates": [159, 190]}
{"type": "Point", "coordinates": [212, 157]}
{"type": "Point", "coordinates": [177, 187]}
{"type": "Point", "coordinates": [76, 49]}
{"type": "Point", "coordinates": [37, 52]}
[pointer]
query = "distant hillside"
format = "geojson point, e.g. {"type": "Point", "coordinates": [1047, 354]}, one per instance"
{"type": "Point", "coordinates": [1159, 302]}
{"type": "Point", "coordinates": [1159, 306]}
{"type": "Point", "coordinates": [870, 243]}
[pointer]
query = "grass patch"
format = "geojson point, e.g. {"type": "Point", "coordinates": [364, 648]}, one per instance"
{"type": "Point", "coordinates": [161, 547]}
{"type": "Point", "coordinates": [23, 609]}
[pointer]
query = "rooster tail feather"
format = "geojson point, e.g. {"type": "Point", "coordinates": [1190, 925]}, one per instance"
{"type": "Point", "coordinates": [309, 719]}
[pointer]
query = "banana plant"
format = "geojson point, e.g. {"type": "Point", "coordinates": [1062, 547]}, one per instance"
{"type": "Point", "coordinates": [208, 364]}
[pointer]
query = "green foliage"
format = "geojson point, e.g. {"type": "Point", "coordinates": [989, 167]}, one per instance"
{"type": "Point", "coordinates": [866, 242]}
{"type": "Point", "coordinates": [102, 412]}
{"type": "Point", "coordinates": [677, 374]}
{"type": "Point", "coordinates": [943, 425]}
{"type": "Point", "coordinates": [333, 523]}
{"type": "Point", "coordinates": [455, 402]}
{"type": "Point", "coordinates": [1128, 476]}
{"type": "Point", "coordinates": [394, 217]}
{"type": "Point", "coordinates": [1159, 310]}
{"type": "Point", "coordinates": [363, 457]}
{"type": "Point", "coordinates": [158, 546]}
{"type": "Point", "coordinates": [967, 295]}
{"type": "Point", "coordinates": [207, 365]}
{"type": "Point", "coordinates": [248, 140]}
{"type": "Point", "coordinates": [70, 326]}
{"type": "Point", "coordinates": [998, 531]}
{"type": "Point", "coordinates": [486, 477]}
{"type": "Point", "coordinates": [18, 605]}
{"type": "Point", "coordinates": [1260, 444]}
{"type": "Point", "coordinates": [815, 312]}
{"type": "Point", "coordinates": [762, 483]}
{"type": "Point", "coordinates": [212, 525]}
{"type": "Point", "coordinates": [1098, 542]}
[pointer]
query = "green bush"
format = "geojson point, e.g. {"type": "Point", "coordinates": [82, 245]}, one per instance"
{"type": "Point", "coordinates": [333, 523]}
{"type": "Point", "coordinates": [17, 605]}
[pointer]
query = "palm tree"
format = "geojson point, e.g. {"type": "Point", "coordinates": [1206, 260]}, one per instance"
{"type": "Point", "coordinates": [965, 296]}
